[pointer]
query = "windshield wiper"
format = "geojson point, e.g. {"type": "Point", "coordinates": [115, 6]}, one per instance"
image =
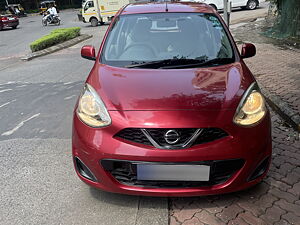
{"type": "Point", "coordinates": [166, 63]}
{"type": "Point", "coordinates": [211, 62]}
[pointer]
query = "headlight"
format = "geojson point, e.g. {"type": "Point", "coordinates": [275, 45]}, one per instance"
{"type": "Point", "coordinates": [252, 107]}
{"type": "Point", "coordinates": [91, 110]}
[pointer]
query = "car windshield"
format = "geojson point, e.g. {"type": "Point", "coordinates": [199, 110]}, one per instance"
{"type": "Point", "coordinates": [146, 40]}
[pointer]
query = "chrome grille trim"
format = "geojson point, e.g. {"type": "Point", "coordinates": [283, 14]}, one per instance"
{"type": "Point", "coordinates": [188, 143]}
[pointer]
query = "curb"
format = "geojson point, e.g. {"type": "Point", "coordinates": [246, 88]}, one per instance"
{"type": "Point", "coordinates": [56, 48]}
{"type": "Point", "coordinates": [280, 107]}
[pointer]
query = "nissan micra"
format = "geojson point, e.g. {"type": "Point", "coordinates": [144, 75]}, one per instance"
{"type": "Point", "coordinates": [169, 107]}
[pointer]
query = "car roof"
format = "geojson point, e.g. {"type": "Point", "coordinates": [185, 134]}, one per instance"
{"type": "Point", "coordinates": [155, 7]}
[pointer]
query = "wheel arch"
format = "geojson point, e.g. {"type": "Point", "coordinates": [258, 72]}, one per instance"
{"type": "Point", "coordinates": [214, 6]}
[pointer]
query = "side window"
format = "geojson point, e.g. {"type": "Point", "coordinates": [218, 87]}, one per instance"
{"type": "Point", "coordinates": [88, 5]}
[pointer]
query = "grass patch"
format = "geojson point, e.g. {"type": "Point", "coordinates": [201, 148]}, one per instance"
{"type": "Point", "coordinates": [55, 37]}
{"type": "Point", "coordinates": [32, 11]}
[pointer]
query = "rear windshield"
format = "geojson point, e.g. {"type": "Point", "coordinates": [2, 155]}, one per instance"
{"type": "Point", "coordinates": [140, 38]}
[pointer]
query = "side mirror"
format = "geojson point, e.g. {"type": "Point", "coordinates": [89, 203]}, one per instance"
{"type": "Point", "coordinates": [88, 52]}
{"type": "Point", "coordinates": [248, 50]}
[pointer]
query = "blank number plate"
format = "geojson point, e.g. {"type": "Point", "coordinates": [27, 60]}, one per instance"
{"type": "Point", "coordinates": [173, 172]}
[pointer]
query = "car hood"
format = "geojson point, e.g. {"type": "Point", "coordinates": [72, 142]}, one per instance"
{"type": "Point", "coordinates": [213, 88]}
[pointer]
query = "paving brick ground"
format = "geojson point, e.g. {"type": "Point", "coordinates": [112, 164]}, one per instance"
{"type": "Point", "coordinates": [273, 201]}
{"type": "Point", "coordinates": [276, 66]}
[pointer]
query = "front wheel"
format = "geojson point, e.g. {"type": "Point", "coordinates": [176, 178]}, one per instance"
{"type": "Point", "coordinates": [44, 22]}
{"type": "Point", "coordinates": [94, 22]}
{"type": "Point", "coordinates": [252, 4]}
{"type": "Point", "coordinates": [14, 27]}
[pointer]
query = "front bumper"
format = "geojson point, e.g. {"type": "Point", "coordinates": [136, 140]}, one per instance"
{"type": "Point", "coordinates": [252, 145]}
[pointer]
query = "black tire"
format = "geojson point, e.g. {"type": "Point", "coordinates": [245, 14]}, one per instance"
{"type": "Point", "coordinates": [44, 22]}
{"type": "Point", "coordinates": [94, 22]}
{"type": "Point", "coordinates": [58, 23]}
{"type": "Point", "coordinates": [214, 6]}
{"type": "Point", "coordinates": [252, 4]}
{"type": "Point", "coordinates": [14, 27]}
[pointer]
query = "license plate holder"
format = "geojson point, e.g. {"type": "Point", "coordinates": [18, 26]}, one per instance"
{"type": "Point", "coordinates": [172, 172]}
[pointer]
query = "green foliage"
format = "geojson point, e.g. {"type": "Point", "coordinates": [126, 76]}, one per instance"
{"type": "Point", "coordinates": [55, 37]}
{"type": "Point", "coordinates": [32, 11]}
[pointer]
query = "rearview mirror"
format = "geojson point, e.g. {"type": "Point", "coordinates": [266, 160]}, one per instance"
{"type": "Point", "coordinates": [248, 50]}
{"type": "Point", "coordinates": [88, 52]}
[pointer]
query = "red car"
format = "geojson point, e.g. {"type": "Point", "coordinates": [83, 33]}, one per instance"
{"type": "Point", "coordinates": [170, 108]}
{"type": "Point", "coordinates": [8, 21]}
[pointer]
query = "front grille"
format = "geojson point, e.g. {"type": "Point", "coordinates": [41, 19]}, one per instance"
{"type": "Point", "coordinates": [134, 135]}
{"type": "Point", "coordinates": [157, 134]}
{"type": "Point", "coordinates": [125, 172]}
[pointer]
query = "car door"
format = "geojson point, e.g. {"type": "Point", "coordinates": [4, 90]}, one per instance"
{"type": "Point", "coordinates": [239, 3]}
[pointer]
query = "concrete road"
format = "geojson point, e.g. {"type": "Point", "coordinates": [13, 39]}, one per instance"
{"type": "Point", "coordinates": [38, 183]}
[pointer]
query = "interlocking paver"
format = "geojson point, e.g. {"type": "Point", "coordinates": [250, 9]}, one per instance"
{"type": "Point", "coordinates": [208, 218]}
{"type": "Point", "coordinates": [277, 183]}
{"type": "Point", "coordinates": [282, 222]}
{"type": "Point", "coordinates": [291, 178]}
{"type": "Point", "coordinates": [249, 218]}
{"type": "Point", "coordinates": [282, 194]}
{"type": "Point", "coordinates": [184, 214]}
{"type": "Point", "coordinates": [255, 209]}
{"type": "Point", "coordinates": [292, 218]}
{"type": "Point", "coordinates": [266, 201]}
{"type": "Point", "coordinates": [273, 214]}
{"type": "Point", "coordinates": [193, 221]}
{"type": "Point", "coordinates": [229, 213]}
{"type": "Point", "coordinates": [295, 190]}
{"type": "Point", "coordinates": [238, 221]}
{"type": "Point", "coordinates": [289, 207]}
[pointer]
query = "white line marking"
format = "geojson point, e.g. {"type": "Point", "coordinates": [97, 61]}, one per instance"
{"type": "Point", "coordinates": [7, 133]}
{"type": "Point", "coordinates": [68, 83]}
{"type": "Point", "coordinates": [4, 90]}
{"type": "Point", "coordinates": [24, 85]}
{"type": "Point", "coordinates": [9, 82]}
{"type": "Point", "coordinates": [7, 103]}
{"type": "Point", "coordinates": [67, 98]}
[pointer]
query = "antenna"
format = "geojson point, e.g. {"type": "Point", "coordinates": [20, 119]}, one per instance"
{"type": "Point", "coordinates": [167, 6]}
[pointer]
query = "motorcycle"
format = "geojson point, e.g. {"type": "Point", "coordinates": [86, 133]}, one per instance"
{"type": "Point", "coordinates": [49, 19]}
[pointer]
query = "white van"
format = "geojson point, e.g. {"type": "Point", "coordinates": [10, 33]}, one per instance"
{"type": "Point", "coordinates": [101, 11]}
{"type": "Point", "coordinates": [218, 4]}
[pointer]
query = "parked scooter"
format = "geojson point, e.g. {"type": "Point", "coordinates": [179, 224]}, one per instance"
{"type": "Point", "coordinates": [50, 19]}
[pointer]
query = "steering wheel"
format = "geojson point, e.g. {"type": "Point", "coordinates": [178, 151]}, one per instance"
{"type": "Point", "coordinates": [149, 47]}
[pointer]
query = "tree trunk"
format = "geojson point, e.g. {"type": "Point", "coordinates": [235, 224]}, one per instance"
{"type": "Point", "coordinates": [289, 17]}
